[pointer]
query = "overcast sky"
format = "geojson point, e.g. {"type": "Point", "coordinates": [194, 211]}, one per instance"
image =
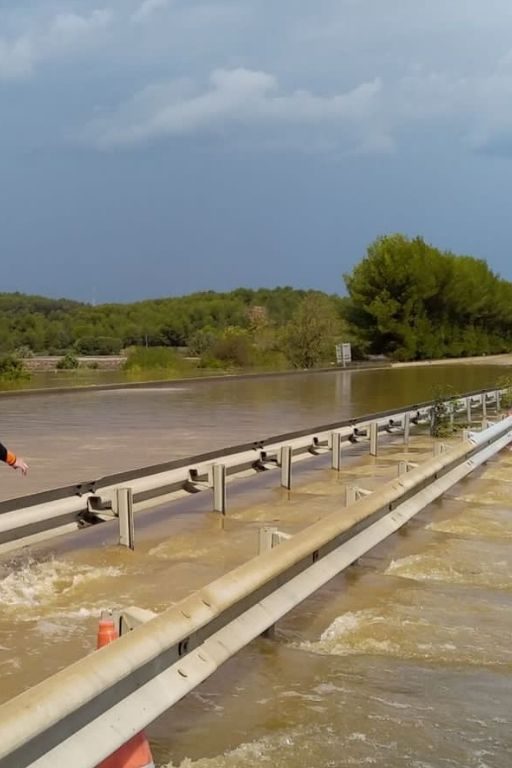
{"type": "Point", "coordinates": [156, 147]}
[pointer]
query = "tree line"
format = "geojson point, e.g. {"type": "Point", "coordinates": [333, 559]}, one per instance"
{"type": "Point", "coordinates": [243, 328]}
{"type": "Point", "coordinates": [405, 300]}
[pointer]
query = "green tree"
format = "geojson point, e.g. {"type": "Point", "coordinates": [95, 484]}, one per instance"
{"type": "Point", "coordinates": [202, 342]}
{"type": "Point", "coordinates": [411, 301]}
{"type": "Point", "coordinates": [310, 337]}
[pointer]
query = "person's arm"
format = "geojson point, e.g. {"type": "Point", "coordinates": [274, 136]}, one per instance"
{"type": "Point", "coordinates": [12, 460]}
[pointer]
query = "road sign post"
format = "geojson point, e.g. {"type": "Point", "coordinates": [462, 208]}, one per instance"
{"type": "Point", "coordinates": [343, 354]}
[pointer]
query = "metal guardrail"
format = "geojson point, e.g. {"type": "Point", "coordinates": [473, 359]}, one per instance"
{"type": "Point", "coordinates": [84, 713]}
{"type": "Point", "coordinates": [94, 501]}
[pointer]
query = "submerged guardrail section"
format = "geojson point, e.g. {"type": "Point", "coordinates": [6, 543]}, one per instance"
{"type": "Point", "coordinates": [69, 508]}
{"type": "Point", "coordinates": [84, 713]}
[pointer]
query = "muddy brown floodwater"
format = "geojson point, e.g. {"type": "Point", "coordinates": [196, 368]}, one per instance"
{"type": "Point", "coordinates": [403, 660]}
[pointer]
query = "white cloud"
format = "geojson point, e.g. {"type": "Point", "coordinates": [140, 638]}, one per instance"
{"type": "Point", "coordinates": [250, 106]}
{"type": "Point", "coordinates": [477, 108]}
{"type": "Point", "coordinates": [69, 27]}
{"type": "Point", "coordinates": [19, 55]}
{"type": "Point", "coordinates": [238, 99]}
{"type": "Point", "coordinates": [147, 9]}
{"type": "Point", "coordinates": [353, 77]}
{"type": "Point", "coordinates": [16, 57]}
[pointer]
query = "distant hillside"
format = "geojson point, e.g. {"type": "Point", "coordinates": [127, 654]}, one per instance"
{"type": "Point", "coordinates": [51, 326]}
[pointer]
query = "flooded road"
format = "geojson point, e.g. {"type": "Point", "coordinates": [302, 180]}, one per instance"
{"type": "Point", "coordinates": [69, 438]}
{"type": "Point", "coordinates": [403, 660]}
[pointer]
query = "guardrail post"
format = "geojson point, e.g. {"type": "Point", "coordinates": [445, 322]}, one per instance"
{"type": "Point", "coordinates": [285, 461]}
{"type": "Point", "coordinates": [132, 617]}
{"type": "Point", "coordinates": [219, 488]}
{"type": "Point", "coordinates": [468, 407]}
{"type": "Point", "coordinates": [451, 410]}
{"type": "Point", "coordinates": [374, 438]}
{"type": "Point", "coordinates": [432, 420]}
{"type": "Point", "coordinates": [498, 401]}
{"type": "Point", "coordinates": [353, 493]}
{"type": "Point", "coordinates": [350, 495]}
{"type": "Point", "coordinates": [336, 451]}
{"type": "Point", "coordinates": [407, 428]}
{"type": "Point", "coordinates": [269, 537]}
{"type": "Point", "coordinates": [405, 466]}
{"type": "Point", "coordinates": [266, 536]}
{"type": "Point", "coordinates": [267, 540]}
{"type": "Point", "coordinates": [484, 406]}
{"type": "Point", "coordinates": [124, 510]}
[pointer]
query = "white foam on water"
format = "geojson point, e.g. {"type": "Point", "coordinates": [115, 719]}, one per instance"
{"type": "Point", "coordinates": [394, 704]}
{"type": "Point", "coordinates": [81, 613]}
{"type": "Point", "coordinates": [53, 630]}
{"type": "Point", "coordinates": [332, 640]}
{"type": "Point", "coordinates": [357, 737]}
{"type": "Point", "coordinates": [478, 524]}
{"type": "Point", "coordinates": [177, 548]}
{"type": "Point", "coordinates": [207, 700]}
{"type": "Point", "coordinates": [301, 747]}
{"type": "Point", "coordinates": [327, 689]}
{"type": "Point", "coordinates": [249, 754]}
{"type": "Point", "coordinates": [349, 622]}
{"type": "Point", "coordinates": [492, 573]}
{"type": "Point", "coordinates": [37, 584]}
{"type": "Point", "coordinates": [436, 636]}
{"type": "Point", "coordinates": [311, 697]}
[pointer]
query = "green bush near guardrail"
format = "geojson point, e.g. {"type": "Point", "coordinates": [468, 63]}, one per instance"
{"type": "Point", "coordinates": [441, 424]}
{"type": "Point", "coordinates": [505, 384]}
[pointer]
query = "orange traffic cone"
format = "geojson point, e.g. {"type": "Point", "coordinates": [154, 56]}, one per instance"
{"type": "Point", "coordinates": [136, 753]}
{"type": "Point", "coordinates": [107, 631]}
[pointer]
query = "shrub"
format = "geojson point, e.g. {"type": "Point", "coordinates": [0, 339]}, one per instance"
{"type": "Point", "coordinates": [24, 352]}
{"type": "Point", "coordinates": [12, 369]}
{"type": "Point", "coordinates": [505, 382]}
{"type": "Point", "coordinates": [212, 363]}
{"type": "Point", "coordinates": [68, 363]}
{"type": "Point", "coordinates": [155, 358]}
{"type": "Point", "coordinates": [444, 398]}
{"type": "Point", "coordinates": [234, 348]}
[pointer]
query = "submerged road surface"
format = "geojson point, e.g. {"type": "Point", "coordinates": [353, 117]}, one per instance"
{"type": "Point", "coordinates": [404, 660]}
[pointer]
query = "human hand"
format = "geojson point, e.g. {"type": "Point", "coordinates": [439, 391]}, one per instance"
{"type": "Point", "coordinates": [21, 465]}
